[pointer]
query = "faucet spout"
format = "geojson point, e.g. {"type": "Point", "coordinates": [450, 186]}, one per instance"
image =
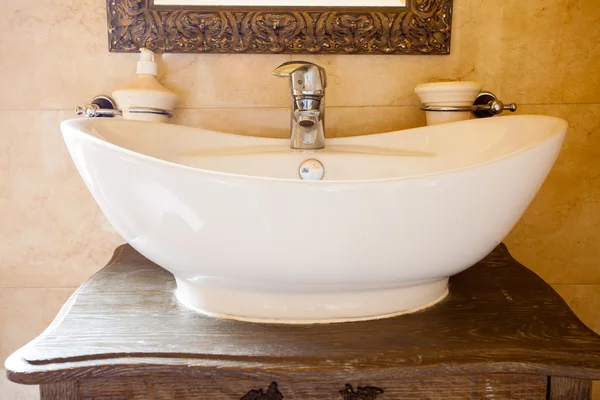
{"type": "Point", "coordinates": [308, 82]}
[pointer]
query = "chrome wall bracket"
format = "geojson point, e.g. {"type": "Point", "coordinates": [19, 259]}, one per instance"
{"type": "Point", "coordinates": [486, 105]}
{"type": "Point", "coordinates": [103, 106]}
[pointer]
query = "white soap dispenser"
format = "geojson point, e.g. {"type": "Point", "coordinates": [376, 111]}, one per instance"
{"type": "Point", "coordinates": [145, 99]}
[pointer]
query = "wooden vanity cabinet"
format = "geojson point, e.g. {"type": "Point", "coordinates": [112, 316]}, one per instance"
{"type": "Point", "coordinates": [502, 333]}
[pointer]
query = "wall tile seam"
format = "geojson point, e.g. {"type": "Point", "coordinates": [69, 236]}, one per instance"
{"type": "Point", "coordinates": [574, 284]}
{"type": "Point", "coordinates": [287, 108]}
{"type": "Point", "coordinates": [284, 108]}
{"type": "Point", "coordinates": [216, 108]}
{"type": "Point", "coordinates": [9, 288]}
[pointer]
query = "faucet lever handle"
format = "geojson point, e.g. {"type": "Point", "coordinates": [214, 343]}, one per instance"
{"type": "Point", "coordinates": [305, 78]}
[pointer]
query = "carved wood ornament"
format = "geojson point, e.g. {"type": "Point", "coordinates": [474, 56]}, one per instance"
{"type": "Point", "coordinates": [348, 393]}
{"type": "Point", "coordinates": [272, 393]}
{"type": "Point", "coordinates": [422, 27]}
{"type": "Point", "coordinates": [362, 393]}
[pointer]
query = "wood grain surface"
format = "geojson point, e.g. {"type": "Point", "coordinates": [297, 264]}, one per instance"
{"type": "Point", "coordinates": [496, 387]}
{"type": "Point", "coordinates": [125, 321]}
{"type": "Point", "coordinates": [568, 389]}
{"type": "Point", "coordinates": [59, 391]}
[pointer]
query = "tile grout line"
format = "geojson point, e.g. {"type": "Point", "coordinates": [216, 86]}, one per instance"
{"type": "Point", "coordinates": [38, 287]}
{"type": "Point", "coordinates": [220, 108]}
{"type": "Point", "coordinates": [283, 107]}
{"type": "Point", "coordinates": [76, 287]}
{"type": "Point", "coordinates": [573, 284]}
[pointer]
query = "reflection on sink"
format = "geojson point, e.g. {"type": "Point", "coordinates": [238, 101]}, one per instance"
{"type": "Point", "coordinates": [395, 215]}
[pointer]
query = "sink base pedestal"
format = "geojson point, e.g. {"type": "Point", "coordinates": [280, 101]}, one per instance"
{"type": "Point", "coordinates": [309, 307]}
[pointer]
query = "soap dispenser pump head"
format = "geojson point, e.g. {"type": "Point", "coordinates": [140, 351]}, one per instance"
{"type": "Point", "coordinates": [146, 65]}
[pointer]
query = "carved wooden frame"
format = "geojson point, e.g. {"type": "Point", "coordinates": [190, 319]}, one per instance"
{"type": "Point", "coordinates": [422, 27]}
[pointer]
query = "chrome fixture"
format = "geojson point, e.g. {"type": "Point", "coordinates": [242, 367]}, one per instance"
{"type": "Point", "coordinates": [486, 105]}
{"type": "Point", "coordinates": [105, 107]}
{"type": "Point", "coordinates": [311, 170]}
{"type": "Point", "coordinates": [308, 82]}
{"type": "Point", "coordinates": [101, 106]}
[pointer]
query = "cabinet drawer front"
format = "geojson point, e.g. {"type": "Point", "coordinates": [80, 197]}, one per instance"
{"type": "Point", "coordinates": [496, 386]}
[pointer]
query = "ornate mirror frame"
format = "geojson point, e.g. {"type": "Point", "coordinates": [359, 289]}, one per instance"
{"type": "Point", "coordinates": [422, 27]}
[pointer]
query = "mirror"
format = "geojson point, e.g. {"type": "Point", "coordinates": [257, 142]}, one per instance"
{"type": "Point", "coordinates": [283, 3]}
{"type": "Point", "coordinates": [281, 26]}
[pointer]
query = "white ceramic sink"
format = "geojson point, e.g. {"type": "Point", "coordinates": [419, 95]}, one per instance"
{"type": "Point", "coordinates": [395, 215]}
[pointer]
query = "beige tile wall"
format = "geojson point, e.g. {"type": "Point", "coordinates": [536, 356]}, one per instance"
{"type": "Point", "coordinates": [542, 54]}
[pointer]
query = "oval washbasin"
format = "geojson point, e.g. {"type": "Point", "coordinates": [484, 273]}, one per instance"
{"type": "Point", "coordinates": [395, 215]}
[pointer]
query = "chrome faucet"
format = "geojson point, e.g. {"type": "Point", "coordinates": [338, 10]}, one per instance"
{"type": "Point", "coordinates": [308, 82]}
